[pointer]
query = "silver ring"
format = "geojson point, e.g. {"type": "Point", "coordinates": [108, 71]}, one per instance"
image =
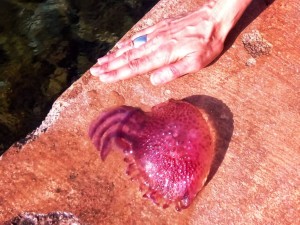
{"type": "Point", "coordinates": [139, 41]}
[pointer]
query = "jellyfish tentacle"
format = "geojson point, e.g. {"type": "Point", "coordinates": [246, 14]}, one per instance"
{"type": "Point", "coordinates": [108, 127]}
{"type": "Point", "coordinates": [104, 144]}
{"type": "Point", "coordinates": [116, 126]}
{"type": "Point", "coordinates": [128, 132]}
{"type": "Point", "coordinates": [100, 134]}
{"type": "Point", "coordinates": [129, 139]}
{"type": "Point", "coordinates": [185, 201]}
{"type": "Point", "coordinates": [123, 144]}
{"type": "Point", "coordinates": [156, 198]}
{"type": "Point", "coordinates": [104, 116]}
{"type": "Point", "coordinates": [122, 140]}
{"type": "Point", "coordinates": [104, 122]}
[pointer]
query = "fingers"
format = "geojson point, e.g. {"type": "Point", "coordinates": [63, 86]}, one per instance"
{"type": "Point", "coordinates": [117, 60]}
{"type": "Point", "coordinates": [173, 71]}
{"type": "Point", "coordinates": [111, 56]}
{"type": "Point", "coordinates": [134, 67]}
{"type": "Point", "coordinates": [127, 53]}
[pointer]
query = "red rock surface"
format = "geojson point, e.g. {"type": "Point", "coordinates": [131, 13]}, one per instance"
{"type": "Point", "coordinates": [258, 180]}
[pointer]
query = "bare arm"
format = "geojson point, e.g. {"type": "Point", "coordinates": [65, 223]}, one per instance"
{"type": "Point", "coordinates": [227, 13]}
{"type": "Point", "coordinates": [174, 47]}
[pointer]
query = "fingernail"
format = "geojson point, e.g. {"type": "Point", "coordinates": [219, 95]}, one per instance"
{"type": "Point", "coordinates": [99, 69]}
{"type": "Point", "coordinates": [105, 78]}
{"type": "Point", "coordinates": [155, 79]}
{"type": "Point", "coordinates": [101, 60]}
{"type": "Point", "coordinates": [119, 44]}
{"type": "Point", "coordinates": [94, 71]}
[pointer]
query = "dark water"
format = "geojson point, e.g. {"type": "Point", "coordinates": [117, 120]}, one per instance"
{"type": "Point", "coordinates": [45, 45]}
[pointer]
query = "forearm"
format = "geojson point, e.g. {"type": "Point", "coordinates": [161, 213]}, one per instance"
{"type": "Point", "coordinates": [226, 13]}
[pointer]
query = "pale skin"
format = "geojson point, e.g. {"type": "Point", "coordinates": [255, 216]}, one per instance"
{"type": "Point", "coordinates": [174, 47]}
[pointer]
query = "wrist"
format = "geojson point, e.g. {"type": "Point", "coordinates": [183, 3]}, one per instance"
{"type": "Point", "coordinates": [226, 13]}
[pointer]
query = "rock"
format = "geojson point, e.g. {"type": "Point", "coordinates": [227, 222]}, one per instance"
{"type": "Point", "coordinates": [58, 218]}
{"type": "Point", "coordinates": [255, 44]}
{"type": "Point", "coordinates": [251, 62]}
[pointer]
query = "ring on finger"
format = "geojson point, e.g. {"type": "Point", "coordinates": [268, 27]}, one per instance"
{"type": "Point", "coordinates": [139, 41]}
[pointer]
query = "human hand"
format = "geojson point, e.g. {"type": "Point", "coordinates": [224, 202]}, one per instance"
{"type": "Point", "coordinates": [174, 48]}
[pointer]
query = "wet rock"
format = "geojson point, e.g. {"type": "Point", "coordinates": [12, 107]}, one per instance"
{"type": "Point", "coordinates": [57, 218]}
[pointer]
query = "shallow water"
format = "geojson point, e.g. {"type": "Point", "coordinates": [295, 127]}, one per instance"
{"type": "Point", "coordinates": [45, 45]}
